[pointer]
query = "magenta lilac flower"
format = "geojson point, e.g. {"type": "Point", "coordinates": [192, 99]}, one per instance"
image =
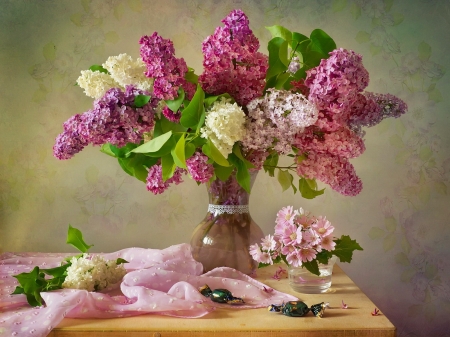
{"type": "Point", "coordinates": [231, 61]}
{"type": "Point", "coordinates": [162, 65]}
{"type": "Point", "coordinates": [71, 141]}
{"type": "Point", "coordinates": [155, 183]}
{"type": "Point", "coordinates": [336, 81]}
{"type": "Point", "coordinates": [198, 167]}
{"type": "Point", "coordinates": [170, 115]}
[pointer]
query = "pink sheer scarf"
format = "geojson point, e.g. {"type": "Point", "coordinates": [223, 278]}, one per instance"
{"type": "Point", "coordinates": [163, 282]}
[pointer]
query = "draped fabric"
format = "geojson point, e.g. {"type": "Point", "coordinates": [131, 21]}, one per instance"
{"type": "Point", "coordinates": [162, 282]}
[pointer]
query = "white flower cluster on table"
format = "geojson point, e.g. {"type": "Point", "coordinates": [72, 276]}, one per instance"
{"type": "Point", "coordinates": [93, 273]}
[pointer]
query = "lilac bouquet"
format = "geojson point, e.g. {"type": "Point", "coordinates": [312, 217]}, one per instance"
{"type": "Point", "coordinates": [161, 121]}
{"type": "Point", "coordinates": [302, 240]}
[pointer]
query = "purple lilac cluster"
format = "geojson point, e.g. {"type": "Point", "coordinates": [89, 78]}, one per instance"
{"type": "Point", "coordinates": [113, 119]}
{"type": "Point", "coordinates": [371, 108]}
{"type": "Point", "coordinates": [298, 238]}
{"type": "Point", "coordinates": [198, 167]}
{"type": "Point", "coordinates": [155, 183]}
{"type": "Point", "coordinates": [336, 87]}
{"type": "Point", "coordinates": [162, 65]}
{"type": "Point", "coordinates": [231, 61]}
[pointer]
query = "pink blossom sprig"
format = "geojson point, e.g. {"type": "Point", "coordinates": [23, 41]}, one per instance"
{"type": "Point", "coordinates": [302, 240]}
{"type": "Point", "coordinates": [298, 238]}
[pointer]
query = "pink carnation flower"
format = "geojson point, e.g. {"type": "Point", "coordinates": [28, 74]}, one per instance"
{"type": "Point", "coordinates": [307, 254]}
{"type": "Point", "coordinates": [328, 243]}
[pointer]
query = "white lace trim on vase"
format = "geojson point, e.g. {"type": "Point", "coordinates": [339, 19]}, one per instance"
{"type": "Point", "coordinates": [229, 209]}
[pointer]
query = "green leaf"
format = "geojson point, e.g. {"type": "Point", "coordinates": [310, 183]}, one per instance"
{"type": "Point", "coordinates": [435, 95]}
{"type": "Point", "coordinates": [321, 42]}
{"type": "Point", "coordinates": [175, 104]}
{"type": "Point", "coordinates": [31, 284]}
{"type": "Point", "coordinates": [136, 165]}
{"type": "Point", "coordinates": [106, 148]}
{"type": "Point", "coordinates": [362, 37]}
{"type": "Point", "coordinates": [285, 179]}
{"type": "Point", "coordinates": [154, 145]}
{"type": "Point", "coordinates": [282, 79]}
{"type": "Point", "coordinates": [242, 175]}
{"type": "Point", "coordinates": [278, 60]}
{"type": "Point", "coordinates": [280, 31]}
{"type": "Point", "coordinates": [306, 191]}
{"type": "Point", "coordinates": [215, 154]}
{"type": "Point", "coordinates": [211, 99]}
{"type": "Point", "coordinates": [312, 266]}
{"type": "Point", "coordinates": [97, 67]}
{"type": "Point", "coordinates": [57, 271]}
{"type": "Point", "coordinates": [189, 150]}
{"type": "Point", "coordinates": [299, 40]}
{"type": "Point", "coordinates": [424, 51]}
{"type": "Point", "coordinates": [271, 163]}
{"type": "Point", "coordinates": [141, 100]}
{"type": "Point", "coordinates": [168, 167]}
{"type": "Point", "coordinates": [178, 153]}
{"type": "Point", "coordinates": [223, 172]}
{"type": "Point", "coordinates": [120, 261]}
{"type": "Point", "coordinates": [191, 114]}
{"type": "Point", "coordinates": [18, 291]}
{"type": "Point", "coordinates": [167, 126]}
{"type": "Point", "coordinates": [345, 247]}
{"type": "Point", "coordinates": [75, 238]}
{"type": "Point", "coordinates": [376, 233]}
{"type": "Point", "coordinates": [238, 153]}
{"type": "Point", "coordinates": [191, 77]}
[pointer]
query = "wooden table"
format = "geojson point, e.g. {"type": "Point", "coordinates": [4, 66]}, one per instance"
{"type": "Point", "coordinates": [354, 321]}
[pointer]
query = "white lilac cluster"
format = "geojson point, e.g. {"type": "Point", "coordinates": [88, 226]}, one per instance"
{"type": "Point", "coordinates": [93, 273]}
{"type": "Point", "coordinates": [122, 71]}
{"type": "Point", "coordinates": [274, 121]}
{"type": "Point", "coordinates": [224, 125]}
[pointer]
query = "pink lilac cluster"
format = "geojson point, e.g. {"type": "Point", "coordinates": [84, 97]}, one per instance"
{"type": "Point", "coordinates": [231, 61]}
{"type": "Point", "coordinates": [198, 167]}
{"type": "Point", "coordinates": [155, 183]}
{"type": "Point", "coordinates": [276, 119]}
{"type": "Point", "coordinates": [162, 65]}
{"type": "Point", "coordinates": [298, 238]}
{"type": "Point", "coordinates": [335, 171]}
{"type": "Point", "coordinates": [114, 119]}
{"type": "Point", "coordinates": [170, 115]}
{"type": "Point", "coordinates": [334, 86]}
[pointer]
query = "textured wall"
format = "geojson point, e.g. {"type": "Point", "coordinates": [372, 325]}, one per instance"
{"type": "Point", "coordinates": [400, 218]}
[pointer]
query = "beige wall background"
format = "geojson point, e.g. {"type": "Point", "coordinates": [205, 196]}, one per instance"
{"type": "Point", "coordinates": [401, 218]}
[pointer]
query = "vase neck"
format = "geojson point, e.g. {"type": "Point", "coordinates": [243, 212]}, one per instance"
{"type": "Point", "coordinates": [229, 193]}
